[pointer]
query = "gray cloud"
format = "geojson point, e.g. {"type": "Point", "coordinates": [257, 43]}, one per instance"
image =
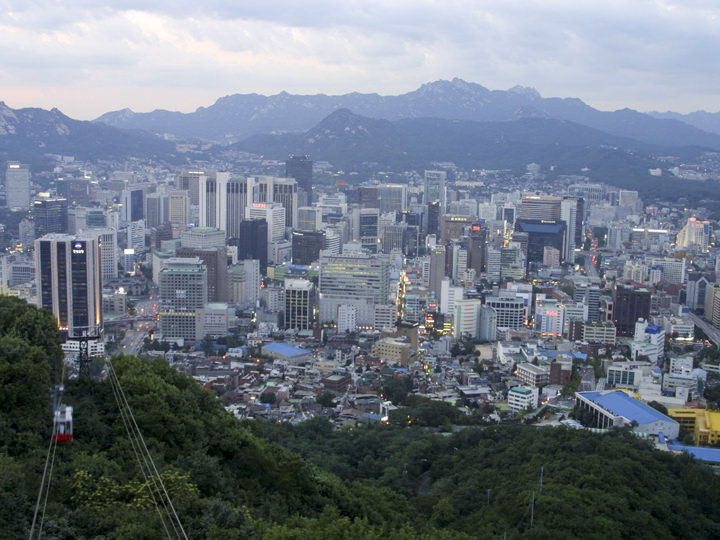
{"type": "Point", "coordinates": [613, 53]}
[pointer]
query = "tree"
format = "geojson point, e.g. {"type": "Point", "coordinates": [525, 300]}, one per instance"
{"type": "Point", "coordinates": [326, 399]}
{"type": "Point", "coordinates": [268, 398]}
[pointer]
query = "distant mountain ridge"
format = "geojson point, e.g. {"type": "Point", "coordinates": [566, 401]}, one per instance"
{"type": "Point", "coordinates": [27, 134]}
{"type": "Point", "coordinates": [236, 117]}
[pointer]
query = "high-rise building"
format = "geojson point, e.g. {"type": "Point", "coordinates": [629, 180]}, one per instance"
{"type": "Point", "coordinates": [272, 189]}
{"type": "Point", "coordinates": [215, 260]}
{"type": "Point", "coordinates": [50, 215]}
{"type": "Point", "coordinates": [132, 202]}
{"type": "Point", "coordinates": [306, 246]}
{"type": "Point", "coordinates": [590, 296]}
{"type": "Point", "coordinates": [542, 233]}
{"type": "Point", "coordinates": [274, 216]}
{"type": "Point", "coordinates": [359, 279]}
{"type": "Point", "coordinates": [108, 252]}
{"type": "Point", "coordinates": [477, 241]}
{"type": "Point", "coordinates": [694, 235]}
{"type": "Point", "coordinates": [541, 207]}
{"type": "Point", "coordinates": [252, 241]}
{"type": "Point", "coordinates": [299, 304]}
{"type": "Point", "coordinates": [244, 278]}
{"type": "Point", "coordinates": [509, 313]}
{"type": "Point", "coordinates": [569, 214]}
{"type": "Point", "coordinates": [712, 304]}
{"type": "Point", "coordinates": [156, 209]}
{"type": "Point", "coordinates": [466, 321]}
{"type": "Point", "coordinates": [301, 169]}
{"type": "Point", "coordinates": [435, 190]}
{"type": "Point", "coordinates": [189, 181]}
{"type": "Point", "coordinates": [454, 226]}
{"type": "Point", "coordinates": [178, 208]}
{"type": "Point", "coordinates": [202, 238]}
{"type": "Point", "coordinates": [369, 229]}
{"type": "Point", "coordinates": [183, 291]}
{"type": "Point", "coordinates": [17, 185]}
{"type": "Point", "coordinates": [629, 304]}
{"type": "Point", "coordinates": [69, 282]}
{"type": "Point", "coordinates": [309, 218]}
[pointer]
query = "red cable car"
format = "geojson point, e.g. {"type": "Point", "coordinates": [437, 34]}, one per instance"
{"type": "Point", "coordinates": [63, 424]}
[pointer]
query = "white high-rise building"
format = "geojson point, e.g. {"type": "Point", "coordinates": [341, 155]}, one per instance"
{"type": "Point", "coordinates": [17, 186]}
{"type": "Point", "coordinates": [108, 252]}
{"type": "Point", "coordinates": [178, 208]}
{"type": "Point", "coordinates": [568, 213]}
{"type": "Point", "coordinates": [466, 321]}
{"type": "Point", "coordinates": [183, 291]}
{"type": "Point", "coordinates": [273, 214]}
{"type": "Point", "coordinates": [449, 294]}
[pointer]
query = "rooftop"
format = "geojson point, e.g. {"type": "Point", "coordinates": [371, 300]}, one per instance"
{"type": "Point", "coordinates": [620, 403]}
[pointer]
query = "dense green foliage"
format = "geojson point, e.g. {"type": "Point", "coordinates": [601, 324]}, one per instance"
{"type": "Point", "coordinates": [231, 479]}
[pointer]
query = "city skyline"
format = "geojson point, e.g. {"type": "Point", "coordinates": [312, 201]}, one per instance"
{"type": "Point", "coordinates": [649, 55]}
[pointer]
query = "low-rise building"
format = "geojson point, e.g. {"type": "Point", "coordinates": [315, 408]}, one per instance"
{"type": "Point", "coordinates": [522, 397]}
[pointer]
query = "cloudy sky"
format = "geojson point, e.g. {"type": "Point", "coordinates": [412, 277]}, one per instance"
{"type": "Point", "coordinates": [87, 57]}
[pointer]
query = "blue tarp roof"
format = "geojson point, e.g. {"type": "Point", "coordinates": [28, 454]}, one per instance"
{"type": "Point", "coordinates": [286, 350]}
{"type": "Point", "coordinates": [621, 404]}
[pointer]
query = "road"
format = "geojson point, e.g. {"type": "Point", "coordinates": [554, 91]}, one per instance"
{"type": "Point", "coordinates": [133, 341]}
{"type": "Point", "coordinates": [710, 331]}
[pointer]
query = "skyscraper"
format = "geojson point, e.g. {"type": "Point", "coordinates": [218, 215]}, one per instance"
{"type": "Point", "coordinates": [17, 186]}
{"type": "Point", "coordinates": [69, 284]}
{"type": "Point", "coordinates": [50, 215]}
{"type": "Point", "coordinates": [301, 169]}
{"type": "Point", "coordinates": [435, 188]}
{"type": "Point", "coordinates": [629, 305]}
{"type": "Point", "coordinates": [299, 304]}
{"type": "Point", "coordinates": [183, 290]}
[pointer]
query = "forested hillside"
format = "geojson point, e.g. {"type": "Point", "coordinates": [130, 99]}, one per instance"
{"type": "Point", "coordinates": [235, 480]}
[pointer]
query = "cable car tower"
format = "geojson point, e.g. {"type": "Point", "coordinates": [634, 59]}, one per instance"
{"type": "Point", "coordinates": [84, 336]}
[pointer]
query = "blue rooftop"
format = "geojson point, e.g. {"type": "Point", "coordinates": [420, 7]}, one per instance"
{"type": "Point", "coordinates": [287, 350]}
{"type": "Point", "coordinates": [620, 403]}
{"type": "Point", "coordinates": [653, 329]}
{"type": "Point", "coordinates": [711, 455]}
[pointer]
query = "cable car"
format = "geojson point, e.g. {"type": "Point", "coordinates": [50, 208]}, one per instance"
{"type": "Point", "coordinates": [63, 424]}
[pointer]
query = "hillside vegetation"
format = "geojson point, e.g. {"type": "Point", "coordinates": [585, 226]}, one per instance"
{"type": "Point", "coordinates": [238, 480]}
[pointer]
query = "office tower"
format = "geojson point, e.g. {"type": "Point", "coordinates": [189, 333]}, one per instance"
{"type": "Point", "coordinates": [369, 229]}
{"type": "Point", "coordinates": [252, 241]}
{"type": "Point", "coordinates": [301, 169]}
{"type": "Point", "coordinates": [493, 258]}
{"type": "Point", "coordinates": [542, 233]}
{"type": "Point", "coordinates": [551, 257]}
{"type": "Point", "coordinates": [694, 235]}
{"type": "Point", "coordinates": [160, 234]}
{"type": "Point", "coordinates": [369, 195]}
{"type": "Point", "coordinates": [712, 304]}
{"type": "Point", "coordinates": [436, 269]}
{"type": "Point", "coordinates": [509, 313]}
{"type": "Point", "coordinates": [580, 223]}
{"type": "Point", "coordinates": [202, 238]}
{"type": "Point", "coordinates": [156, 209]}
{"type": "Point", "coordinates": [69, 282]}
{"type": "Point", "coordinates": [17, 185]}
{"type": "Point", "coordinates": [244, 282]}
{"type": "Point", "coordinates": [332, 240]}
{"type": "Point", "coordinates": [132, 202]}
{"type": "Point", "coordinates": [629, 198]}
{"type": "Point", "coordinates": [433, 221]}
{"type": "Point", "coordinates": [454, 226]}
{"type": "Point", "coordinates": [50, 216]}
{"type": "Point", "coordinates": [212, 192]}
{"type": "Point", "coordinates": [697, 286]}
{"type": "Point", "coordinates": [540, 207]}
{"type": "Point", "coordinates": [393, 237]}
{"type": "Point", "coordinates": [278, 190]}
{"type": "Point", "coordinates": [476, 242]}
{"type": "Point", "coordinates": [136, 237]}
{"type": "Point", "coordinates": [306, 246]}
{"type": "Point", "coordinates": [108, 252]}
{"type": "Point", "coordinates": [189, 181]}
{"type": "Point", "coordinates": [358, 279]}
{"type": "Point", "coordinates": [178, 208]}
{"type": "Point", "coordinates": [568, 214]}
{"type": "Point", "coordinates": [309, 218]}
{"type": "Point", "coordinates": [274, 216]}
{"type": "Point", "coordinates": [459, 260]}
{"type": "Point", "coordinates": [299, 304]}
{"type": "Point", "coordinates": [75, 190]}
{"type": "Point", "coordinates": [589, 295]}
{"type": "Point", "coordinates": [26, 234]}
{"type": "Point", "coordinates": [183, 290]}
{"type": "Point", "coordinates": [466, 320]}
{"type": "Point", "coordinates": [95, 218]}
{"type": "Point", "coordinates": [435, 188]}
{"type": "Point", "coordinates": [671, 270]}
{"type": "Point", "coordinates": [629, 304]}
{"type": "Point", "coordinates": [215, 261]}
{"type": "Point", "coordinates": [449, 294]}
{"type": "Point", "coordinates": [393, 198]}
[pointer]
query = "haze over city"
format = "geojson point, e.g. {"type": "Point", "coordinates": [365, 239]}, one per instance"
{"type": "Point", "coordinates": [90, 58]}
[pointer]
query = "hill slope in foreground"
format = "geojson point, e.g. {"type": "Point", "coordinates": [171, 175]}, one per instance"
{"type": "Point", "coordinates": [238, 480]}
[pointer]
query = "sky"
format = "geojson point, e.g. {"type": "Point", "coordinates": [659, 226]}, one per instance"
{"type": "Point", "coordinates": [88, 57]}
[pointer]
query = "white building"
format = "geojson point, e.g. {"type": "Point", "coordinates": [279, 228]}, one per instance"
{"type": "Point", "coordinates": [522, 397]}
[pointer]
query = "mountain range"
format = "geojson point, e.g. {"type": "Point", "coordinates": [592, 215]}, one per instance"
{"type": "Point", "coordinates": [236, 117]}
